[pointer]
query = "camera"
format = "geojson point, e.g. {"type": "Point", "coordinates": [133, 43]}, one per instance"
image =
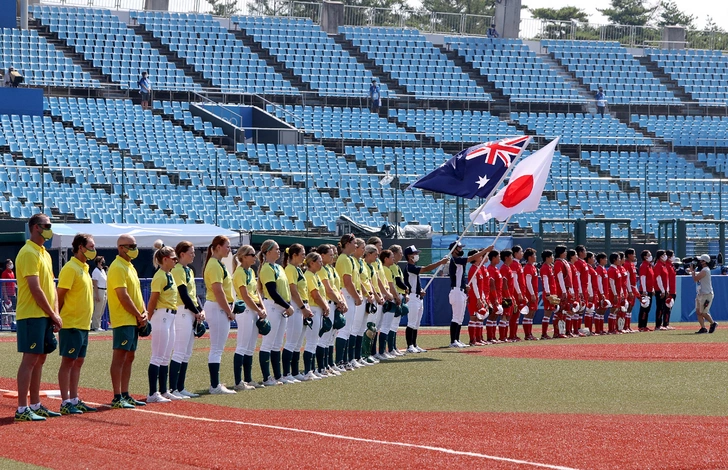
{"type": "Point", "coordinates": [694, 262]}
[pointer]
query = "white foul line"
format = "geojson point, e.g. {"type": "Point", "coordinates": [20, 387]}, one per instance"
{"type": "Point", "coordinates": [351, 438]}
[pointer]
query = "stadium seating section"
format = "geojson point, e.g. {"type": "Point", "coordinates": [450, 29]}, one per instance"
{"type": "Point", "coordinates": [415, 63]}
{"type": "Point", "coordinates": [610, 65]}
{"type": "Point", "coordinates": [581, 129]}
{"type": "Point", "coordinates": [515, 69]}
{"type": "Point", "coordinates": [703, 74]}
{"type": "Point", "coordinates": [687, 131]}
{"type": "Point", "coordinates": [455, 126]}
{"type": "Point", "coordinates": [304, 48]}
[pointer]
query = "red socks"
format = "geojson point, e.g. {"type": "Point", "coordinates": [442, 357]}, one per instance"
{"type": "Point", "coordinates": [471, 332]}
{"type": "Point", "coordinates": [588, 321]}
{"type": "Point", "coordinates": [513, 325]}
{"type": "Point", "coordinates": [545, 324]}
{"type": "Point", "coordinates": [502, 329]}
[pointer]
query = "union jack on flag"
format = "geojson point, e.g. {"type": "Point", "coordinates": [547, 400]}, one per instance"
{"type": "Point", "coordinates": [476, 171]}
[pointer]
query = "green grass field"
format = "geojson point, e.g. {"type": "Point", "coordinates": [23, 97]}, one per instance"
{"type": "Point", "coordinates": [7, 464]}
{"type": "Point", "coordinates": [451, 380]}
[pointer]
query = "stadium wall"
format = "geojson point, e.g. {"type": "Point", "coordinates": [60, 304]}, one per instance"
{"type": "Point", "coordinates": [21, 101]}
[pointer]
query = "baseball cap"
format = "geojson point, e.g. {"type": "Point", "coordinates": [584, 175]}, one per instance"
{"type": "Point", "coordinates": [455, 243]}
{"type": "Point", "coordinates": [705, 258]}
{"type": "Point", "coordinates": [472, 252]}
{"type": "Point", "coordinates": [410, 250]}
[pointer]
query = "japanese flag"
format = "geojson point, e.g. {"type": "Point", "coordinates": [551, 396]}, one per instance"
{"type": "Point", "coordinates": [524, 188]}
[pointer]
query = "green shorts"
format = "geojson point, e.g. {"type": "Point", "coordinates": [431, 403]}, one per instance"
{"type": "Point", "coordinates": [35, 336]}
{"type": "Point", "coordinates": [126, 337]}
{"type": "Point", "coordinates": [72, 342]}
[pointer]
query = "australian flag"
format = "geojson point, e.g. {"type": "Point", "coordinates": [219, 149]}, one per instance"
{"type": "Point", "coordinates": [475, 171]}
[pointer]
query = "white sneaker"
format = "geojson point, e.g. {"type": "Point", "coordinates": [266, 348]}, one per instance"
{"type": "Point", "coordinates": [319, 375]}
{"type": "Point", "coordinates": [170, 396]}
{"type": "Point", "coordinates": [412, 350]}
{"type": "Point", "coordinates": [188, 394]}
{"type": "Point", "coordinates": [271, 382]}
{"type": "Point", "coordinates": [379, 357]}
{"type": "Point", "coordinates": [461, 344]}
{"type": "Point", "coordinates": [387, 355]}
{"type": "Point", "coordinates": [157, 398]}
{"type": "Point", "coordinates": [422, 350]}
{"type": "Point", "coordinates": [243, 386]}
{"type": "Point", "coordinates": [221, 390]}
{"type": "Point", "coordinates": [255, 384]}
{"type": "Point", "coordinates": [299, 377]}
{"type": "Point", "coordinates": [454, 344]}
{"type": "Point", "coordinates": [179, 395]}
{"type": "Point", "coordinates": [373, 359]}
{"type": "Point", "coordinates": [355, 364]}
{"type": "Point", "coordinates": [398, 353]}
{"type": "Point", "coordinates": [288, 379]}
{"type": "Point", "coordinates": [339, 369]}
{"type": "Point", "coordinates": [334, 371]}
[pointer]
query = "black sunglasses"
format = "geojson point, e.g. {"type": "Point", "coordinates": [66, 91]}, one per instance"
{"type": "Point", "coordinates": [131, 246]}
{"type": "Point", "coordinates": [251, 254]}
{"type": "Point", "coordinates": [44, 226]}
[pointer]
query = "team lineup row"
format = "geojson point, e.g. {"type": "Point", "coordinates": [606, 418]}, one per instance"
{"type": "Point", "coordinates": [345, 302]}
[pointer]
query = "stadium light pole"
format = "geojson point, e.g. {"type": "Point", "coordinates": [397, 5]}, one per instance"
{"type": "Point", "coordinates": [42, 182]}
{"type": "Point", "coordinates": [307, 188]}
{"type": "Point", "coordinates": [396, 196]}
{"type": "Point", "coordinates": [123, 199]}
{"type": "Point", "coordinates": [217, 189]}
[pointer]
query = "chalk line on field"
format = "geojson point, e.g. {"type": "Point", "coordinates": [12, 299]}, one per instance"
{"type": "Point", "coordinates": [348, 438]}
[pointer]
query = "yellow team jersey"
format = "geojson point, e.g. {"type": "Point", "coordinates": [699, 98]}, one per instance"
{"type": "Point", "coordinates": [33, 260]}
{"type": "Point", "coordinates": [364, 277]}
{"type": "Point", "coordinates": [274, 273]}
{"type": "Point", "coordinates": [78, 303]}
{"type": "Point", "coordinates": [388, 274]}
{"type": "Point", "coordinates": [215, 271]}
{"type": "Point", "coordinates": [313, 283]}
{"type": "Point", "coordinates": [295, 276]}
{"type": "Point", "coordinates": [373, 277]}
{"type": "Point", "coordinates": [246, 277]}
{"type": "Point", "coordinates": [163, 283]}
{"type": "Point", "coordinates": [381, 272]}
{"type": "Point", "coordinates": [347, 265]}
{"type": "Point", "coordinates": [184, 276]}
{"type": "Point", "coordinates": [397, 273]}
{"type": "Point", "coordinates": [123, 274]}
{"type": "Point", "coordinates": [333, 278]}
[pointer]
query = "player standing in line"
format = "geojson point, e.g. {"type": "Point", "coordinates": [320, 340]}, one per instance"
{"type": "Point", "coordinates": [630, 259]}
{"type": "Point", "coordinates": [401, 291]}
{"type": "Point", "coordinates": [615, 292]}
{"type": "Point", "coordinates": [332, 287]}
{"type": "Point", "coordinates": [626, 294]}
{"type": "Point", "coordinates": [509, 305]}
{"type": "Point", "coordinates": [293, 257]}
{"type": "Point", "coordinates": [162, 308]}
{"type": "Point", "coordinates": [582, 274]}
{"type": "Point", "coordinates": [245, 283]}
{"type": "Point", "coordinates": [565, 291]}
{"type": "Point", "coordinates": [671, 288]}
{"type": "Point", "coordinates": [458, 286]}
{"type": "Point", "coordinates": [575, 306]}
{"type": "Point", "coordinates": [417, 294]}
{"type": "Point", "coordinates": [647, 286]}
{"type": "Point", "coordinates": [386, 347]}
{"type": "Point", "coordinates": [662, 284]}
{"type": "Point", "coordinates": [188, 311]}
{"type": "Point", "coordinates": [518, 290]}
{"type": "Point", "coordinates": [603, 293]}
{"type": "Point", "coordinates": [365, 287]}
{"type": "Point", "coordinates": [320, 309]}
{"type": "Point", "coordinates": [529, 290]}
{"type": "Point", "coordinates": [219, 297]}
{"type": "Point", "coordinates": [476, 302]}
{"type": "Point", "coordinates": [348, 271]}
{"type": "Point", "coordinates": [277, 301]}
{"type": "Point", "coordinates": [126, 314]}
{"type": "Point", "coordinates": [592, 297]}
{"type": "Point", "coordinates": [382, 290]}
{"type": "Point", "coordinates": [371, 256]}
{"type": "Point", "coordinates": [495, 299]}
{"type": "Point", "coordinates": [76, 306]}
{"type": "Point", "coordinates": [548, 280]}
{"type": "Point", "coordinates": [37, 317]}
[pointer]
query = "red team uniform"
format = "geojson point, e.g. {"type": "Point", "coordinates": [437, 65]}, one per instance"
{"type": "Point", "coordinates": [603, 291]}
{"type": "Point", "coordinates": [631, 269]}
{"type": "Point", "coordinates": [564, 289]}
{"type": "Point", "coordinates": [506, 294]}
{"type": "Point", "coordinates": [614, 294]}
{"type": "Point", "coordinates": [495, 298]}
{"type": "Point", "coordinates": [548, 279]}
{"type": "Point", "coordinates": [477, 291]}
{"type": "Point", "coordinates": [529, 288]}
{"type": "Point", "coordinates": [577, 298]}
{"type": "Point", "coordinates": [671, 290]}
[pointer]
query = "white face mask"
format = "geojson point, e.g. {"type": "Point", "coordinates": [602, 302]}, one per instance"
{"type": "Point", "coordinates": [415, 258]}
{"type": "Point", "coordinates": [663, 258]}
{"type": "Point", "coordinates": [649, 259]}
{"type": "Point", "coordinates": [672, 259]}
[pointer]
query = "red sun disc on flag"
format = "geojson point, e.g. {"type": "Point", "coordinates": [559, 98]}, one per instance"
{"type": "Point", "coordinates": [517, 191]}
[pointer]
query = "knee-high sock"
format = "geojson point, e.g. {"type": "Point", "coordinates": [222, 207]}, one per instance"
{"type": "Point", "coordinates": [153, 374]}
{"type": "Point", "coordinates": [163, 373]}
{"type": "Point", "coordinates": [545, 324]}
{"type": "Point", "coordinates": [286, 358]}
{"type": "Point", "coordinates": [352, 347]}
{"type": "Point", "coordinates": [513, 325]}
{"type": "Point", "coordinates": [275, 361]}
{"type": "Point", "coordinates": [414, 337]}
{"type": "Point", "coordinates": [174, 375]}
{"type": "Point", "coordinates": [248, 368]}
{"type": "Point", "coordinates": [264, 359]}
{"type": "Point", "coordinates": [214, 369]}
{"type": "Point", "coordinates": [453, 332]}
{"type": "Point", "coordinates": [357, 347]}
{"type": "Point", "coordinates": [238, 367]}
{"type": "Point", "coordinates": [295, 358]}
{"type": "Point", "coordinates": [471, 332]}
{"type": "Point", "coordinates": [330, 356]}
{"type": "Point", "coordinates": [320, 357]}
{"type": "Point", "coordinates": [502, 329]}
{"type": "Point", "coordinates": [182, 376]}
{"type": "Point", "coordinates": [382, 343]}
{"type": "Point", "coordinates": [307, 361]}
{"type": "Point", "coordinates": [341, 350]}
{"type": "Point", "coordinates": [390, 340]}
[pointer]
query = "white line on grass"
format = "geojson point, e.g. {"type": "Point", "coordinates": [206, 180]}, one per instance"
{"type": "Point", "coordinates": [349, 438]}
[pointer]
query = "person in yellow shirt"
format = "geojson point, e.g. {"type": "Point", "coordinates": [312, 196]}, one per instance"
{"type": "Point", "coordinates": [127, 314]}
{"type": "Point", "coordinates": [277, 301]}
{"type": "Point", "coordinates": [388, 319]}
{"type": "Point", "coordinates": [293, 257]}
{"type": "Point", "coordinates": [218, 308]}
{"type": "Point", "coordinates": [371, 256]}
{"type": "Point", "coordinates": [189, 311]}
{"type": "Point", "coordinates": [382, 287]}
{"type": "Point", "coordinates": [319, 309]}
{"type": "Point", "coordinates": [246, 288]}
{"type": "Point", "coordinates": [162, 308]}
{"type": "Point", "coordinates": [348, 269]}
{"type": "Point", "coordinates": [361, 315]}
{"type": "Point", "coordinates": [76, 303]}
{"type": "Point", "coordinates": [332, 287]}
{"type": "Point", "coordinates": [401, 291]}
{"type": "Point", "coordinates": [37, 317]}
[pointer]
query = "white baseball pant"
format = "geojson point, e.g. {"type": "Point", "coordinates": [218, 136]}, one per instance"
{"type": "Point", "coordinates": [162, 337]}
{"type": "Point", "coordinates": [183, 335]}
{"type": "Point", "coordinates": [219, 329]}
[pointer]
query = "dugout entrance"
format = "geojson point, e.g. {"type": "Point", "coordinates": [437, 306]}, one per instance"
{"type": "Point", "coordinates": [687, 237]}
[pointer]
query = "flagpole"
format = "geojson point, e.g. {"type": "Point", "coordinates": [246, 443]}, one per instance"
{"type": "Point", "coordinates": [482, 261]}
{"type": "Point", "coordinates": [472, 219]}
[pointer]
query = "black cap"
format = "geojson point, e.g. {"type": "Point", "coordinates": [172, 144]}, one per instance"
{"type": "Point", "coordinates": [455, 243]}
{"type": "Point", "coordinates": [410, 250]}
{"type": "Point", "coordinates": [472, 252]}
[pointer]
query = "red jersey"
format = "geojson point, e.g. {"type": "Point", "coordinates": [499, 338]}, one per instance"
{"type": "Point", "coordinates": [592, 286]}
{"type": "Point", "coordinates": [548, 279]}
{"type": "Point", "coordinates": [495, 294]}
{"type": "Point", "coordinates": [582, 273]}
{"type": "Point", "coordinates": [478, 287]}
{"type": "Point", "coordinates": [562, 271]}
{"type": "Point", "coordinates": [647, 277]}
{"type": "Point", "coordinates": [507, 281]}
{"type": "Point", "coordinates": [615, 283]}
{"type": "Point", "coordinates": [602, 280]}
{"type": "Point", "coordinates": [660, 271]}
{"type": "Point", "coordinates": [530, 281]}
{"type": "Point", "coordinates": [624, 278]}
{"type": "Point", "coordinates": [518, 278]}
{"type": "Point", "coordinates": [631, 269]}
{"type": "Point", "coordinates": [671, 278]}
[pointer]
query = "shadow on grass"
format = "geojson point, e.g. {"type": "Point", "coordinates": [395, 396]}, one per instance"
{"type": "Point", "coordinates": [413, 359]}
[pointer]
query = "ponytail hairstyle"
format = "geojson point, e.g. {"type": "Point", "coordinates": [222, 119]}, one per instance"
{"type": "Point", "coordinates": [240, 254]}
{"type": "Point", "coordinates": [358, 242]}
{"type": "Point", "coordinates": [395, 249]}
{"type": "Point", "coordinates": [219, 240]}
{"type": "Point", "coordinates": [182, 247]}
{"type": "Point", "coordinates": [157, 245]}
{"type": "Point", "coordinates": [374, 241]}
{"type": "Point", "coordinates": [345, 240]}
{"type": "Point", "coordinates": [369, 249]}
{"type": "Point", "coordinates": [313, 257]}
{"type": "Point", "coordinates": [162, 253]}
{"type": "Point", "coordinates": [292, 251]}
{"type": "Point", "coordinates": [264, 249]}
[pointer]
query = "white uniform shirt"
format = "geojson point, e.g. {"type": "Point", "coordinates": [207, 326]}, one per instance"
{"type": "Point", "coordinates": [99, 275]}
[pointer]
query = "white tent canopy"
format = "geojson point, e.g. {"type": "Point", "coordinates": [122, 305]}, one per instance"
{"type": "Point", "coordinates": [105, 235]}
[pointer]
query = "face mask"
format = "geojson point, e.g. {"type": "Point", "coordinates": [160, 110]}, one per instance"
{"type": "Point", "coordinates": [132, 254]}
{"type": "Point", "coordinates": [672, 259]}
{"type": "Point", "coordinates": [11, 266]}
{"type": "Point", "coordinates": [47, 234]}
{"type": "Point", "coordinates": [663, 258]}
{"type": "Point", "coordinates": [90, 254]}
{"type": "Point", "coordinates": [649, 259]}
{"type": "Point", "coordinates": [416, 258]}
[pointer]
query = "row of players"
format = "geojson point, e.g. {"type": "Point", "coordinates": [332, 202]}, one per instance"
{"type": "Point", "coordinates": [577, 286]}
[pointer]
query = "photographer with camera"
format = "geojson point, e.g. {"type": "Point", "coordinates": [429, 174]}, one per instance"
{"type": "Point", "coordinates": [704, 298]}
